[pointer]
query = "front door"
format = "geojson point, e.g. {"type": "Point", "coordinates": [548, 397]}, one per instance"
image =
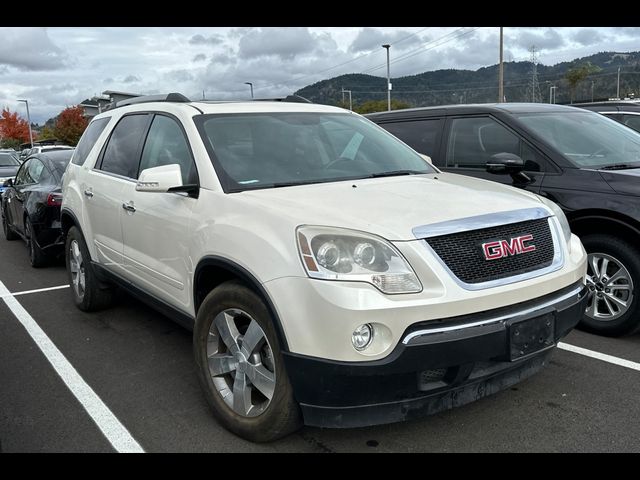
{"type": "Point", "coordinates": [156, 226]}
{"type": "Point", "coordinates": [471, 141]}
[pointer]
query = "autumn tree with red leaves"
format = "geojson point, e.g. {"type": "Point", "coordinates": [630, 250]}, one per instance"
{"type": "Point", "coordinates": [13, 129]}
{"type": "Point", "coordinates": [70, 125]}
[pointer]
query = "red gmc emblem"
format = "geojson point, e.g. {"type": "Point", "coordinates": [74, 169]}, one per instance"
{"type": "Point", "coordinates": [504, 248]}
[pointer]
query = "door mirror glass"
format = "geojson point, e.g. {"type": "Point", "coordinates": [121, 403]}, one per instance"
{"type": "Point", "coordinates": [8, 182]}
{"type": "Point", "coordinates": [160, 179]}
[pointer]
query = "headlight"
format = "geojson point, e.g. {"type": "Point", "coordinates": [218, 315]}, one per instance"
{"type": "Point", "coordinates": [562, 218]}
{"type": "Point", "coordinates": [349, 255]}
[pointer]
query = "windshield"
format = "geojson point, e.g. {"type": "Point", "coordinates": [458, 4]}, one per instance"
{"type": "Point", "coordinates": [264, 150]}
{"type": "Point", "coordinates": [586, 139]}
{"type": "Point", "coordinates": [8, 160]}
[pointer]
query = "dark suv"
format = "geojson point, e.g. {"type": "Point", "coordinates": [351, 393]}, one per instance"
{"type": "Point", "coordinates": [626, 112]}
{"type": "Point", "coordinates": [585, 162]}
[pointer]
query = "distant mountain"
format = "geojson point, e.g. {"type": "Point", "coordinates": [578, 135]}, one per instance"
{"type": "Point", "coordinates": [448, 86]}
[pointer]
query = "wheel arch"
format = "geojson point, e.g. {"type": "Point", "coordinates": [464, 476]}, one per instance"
{"type": "Point", "coordinates": [213, 270]}
{"type": "Point", "coordinates": [606, 222]}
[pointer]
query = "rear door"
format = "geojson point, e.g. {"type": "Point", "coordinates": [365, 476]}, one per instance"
{"type": "Point", "coordinates": [28, 184]}
{"type": "Point", "coordinates": [470, 141]}
{"type": "Point", "coordinates": [14, 207]}
{"type": "Point", "coordinates": [424, 135]}
{"type": "Point", "coordinates": [103, 187]}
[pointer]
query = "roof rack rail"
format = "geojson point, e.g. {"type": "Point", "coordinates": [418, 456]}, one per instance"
{"type": "Point", "coordinates": [288, 98]}
{"type": "Point", "coordinates": [164, 97]}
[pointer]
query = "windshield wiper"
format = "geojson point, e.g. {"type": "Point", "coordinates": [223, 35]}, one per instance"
{"type": "Point", "coordinates": [395, 173]}
{"type": "Point", "coordinates": [620, 166]}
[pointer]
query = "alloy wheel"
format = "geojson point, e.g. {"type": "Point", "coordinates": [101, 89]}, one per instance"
{"type": "Point", "coordinates": [241, 363]}
{"type": "Point", "coordinates": [610, 287]}
{"type": "Point", "coordinates": [76, 267]}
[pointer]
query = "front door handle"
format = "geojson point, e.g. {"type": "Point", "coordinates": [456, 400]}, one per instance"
{"type": "Point", "coordinates": [128, 207]}
{"type": "Point", "coordinates": [88, 193]}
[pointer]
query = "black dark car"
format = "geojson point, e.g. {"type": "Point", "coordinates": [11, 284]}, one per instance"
{"type": "Point", "coordinates": [31, 205]}
{"type": "Point", "coordinates": [585, 162]}
{"type": "Point", "coordinates": [626, 112]}
{"type": "Point", "coordinates": [9, 165]}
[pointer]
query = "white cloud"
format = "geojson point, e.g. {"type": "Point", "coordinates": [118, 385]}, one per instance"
{"type": "Point", "coordinates": [30, 49]}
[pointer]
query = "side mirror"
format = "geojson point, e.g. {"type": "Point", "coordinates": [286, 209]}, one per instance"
{"type": "Point", "coordinates": [427, 158]}
{"type": "Point", "coordinates": [508, 163]}
{"type": "Point", "coordinates": [501, 163]}
{"type": "Point", "coordinates": [160, 179]}
{"type": "Point", "coordinates": [8, 182]}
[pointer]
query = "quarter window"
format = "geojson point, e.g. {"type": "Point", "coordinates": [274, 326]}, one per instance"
{"type": "Point", "coordinates": [88, 140]}
{"type": "Point", "coordinates": [167, 145]}
{"type": "Point", "coordinates": [122, 154]}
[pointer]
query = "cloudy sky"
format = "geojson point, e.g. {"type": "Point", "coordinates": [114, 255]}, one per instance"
{"type": "Point", "coordinates": [58, 67]}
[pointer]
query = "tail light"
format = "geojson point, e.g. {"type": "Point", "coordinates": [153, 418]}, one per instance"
{"type": "Point", "coordinates": [54, 200]}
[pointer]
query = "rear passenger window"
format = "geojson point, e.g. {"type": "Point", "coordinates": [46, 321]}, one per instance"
{"type": "Point", "coordinates": [632, 121]}
{"type": "Point", "coordinates": [166, 145]}
{"type": "Point", "coordinates": [421, 135]}
{"type": "Point", "coordinates": [88, 140]}
{"type": "Point", "coordinates": [122, 154]}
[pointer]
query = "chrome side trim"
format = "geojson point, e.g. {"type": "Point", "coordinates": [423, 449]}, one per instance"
{"type": "Point", "coordinates": [502, 318]}
{"type": "Point", "coordinates": [481, 221]}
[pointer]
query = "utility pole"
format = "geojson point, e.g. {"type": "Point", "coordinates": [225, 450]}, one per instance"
{"type": "Point", "coordinates": [501, 72]}
{"type": "Point", "coordinates": [618, 91]}
{"type": "Point", "coordinates": [592, 84]}
{"type": "Point", "coordinates": [388, 79]}
{"type": "Point", "coordinates": [28, 120]}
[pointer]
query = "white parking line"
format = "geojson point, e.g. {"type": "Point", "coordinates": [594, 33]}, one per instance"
{"type": "Point", "coordinates": [600, 356]}
{"type": "Point", "coordinates": [25, 292]}
{"type": "Point", "coordinates": [117, 435]}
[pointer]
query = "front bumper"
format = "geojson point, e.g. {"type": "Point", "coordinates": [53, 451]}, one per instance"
{"type": "Point", "coordinates": [437, 366]}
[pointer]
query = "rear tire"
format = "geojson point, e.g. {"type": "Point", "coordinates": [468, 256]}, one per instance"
{"type": "Point", "coordinates": [89, 294]}
{"type": "Point", "coordinates": [617, 308]}
{"type": "Point", "coordinates": [37, 257]}
{"type": "Point", "coordinates": [9, 234]}
{"type": "Point", "coordinates": [232, 314]}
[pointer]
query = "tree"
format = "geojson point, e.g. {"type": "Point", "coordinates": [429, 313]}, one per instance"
{"type": "Point", "coordinates": [379, 106]}
{"type": "Point", "coordinates": [70, 125]}
{"type": "Point", "coordinates": [47, 133]}
{"type": "Point", "coordinates": [577, 74]}
{"type": "Point", "coordinates": [13, 129]}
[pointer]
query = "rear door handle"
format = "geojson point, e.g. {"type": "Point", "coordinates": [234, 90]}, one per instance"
{"type": "Point", "coordinates": [128, 207]}
{"type": "Point", "coordinates": [88, 193]}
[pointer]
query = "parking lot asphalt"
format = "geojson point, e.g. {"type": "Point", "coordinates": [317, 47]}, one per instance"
{"type": "Point", "coordinates": [140, 365]}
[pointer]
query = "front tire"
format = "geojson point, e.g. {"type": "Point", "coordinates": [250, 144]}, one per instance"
{"type": "Point", "coordinates": [613, 277]}
{"type": "Point", "coordinates": [240, 365]}
{"type": "Point", "coordinates": [89, 294]}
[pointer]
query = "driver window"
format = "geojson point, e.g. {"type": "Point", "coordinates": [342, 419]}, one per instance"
{"type": "Point", "coordinates": [21, 177]}
{"type": "Point", "coordinates": [166, 145]}
{"type": "Point", "coordinates": [472, 142]}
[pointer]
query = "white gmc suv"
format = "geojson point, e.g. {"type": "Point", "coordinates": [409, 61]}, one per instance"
{"type": "Point", "coordinates": [330, 274]}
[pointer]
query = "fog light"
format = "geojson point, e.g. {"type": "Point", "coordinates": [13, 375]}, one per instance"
{"type": "Point", "coordinates": [362, 336]}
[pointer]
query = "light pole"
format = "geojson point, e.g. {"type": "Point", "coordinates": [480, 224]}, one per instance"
{"type": "Point", "coordinates": [618, 90]}
{"type": "Point", "coordinates": [350, 103]}
{"type": "Point", "coordinates": [28, 120]}
{"type": "Point", "coordinates": [251, 85]}
{"type": "Point", "coordinates": [552, 94]}
{"type": "Point", "coordinates": [501, 73]}
{"type": "Point", "coordinates": [592, 83]}
{"type": "Point", "coordinates": [387, 47]}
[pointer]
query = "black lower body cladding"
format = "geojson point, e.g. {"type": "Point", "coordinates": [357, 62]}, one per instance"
{"type": "Point", "coordinates": [435, 371]}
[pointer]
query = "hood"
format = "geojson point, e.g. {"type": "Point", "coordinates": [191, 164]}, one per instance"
{"type": "Point", "coordinates": [9, 171]}
{"type": "Point", "coordinates": [390, 207]}
{"type": "Point", "coordinates": [626, 182]}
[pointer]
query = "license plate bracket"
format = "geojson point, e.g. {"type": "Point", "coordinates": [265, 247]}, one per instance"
{"type": "Point", "coordinates": [532, 335]}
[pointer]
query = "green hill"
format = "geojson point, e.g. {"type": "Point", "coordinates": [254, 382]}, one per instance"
{"type": "Point", "coordinates": [441, 87]}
